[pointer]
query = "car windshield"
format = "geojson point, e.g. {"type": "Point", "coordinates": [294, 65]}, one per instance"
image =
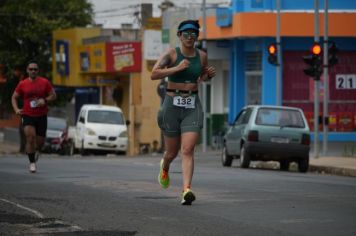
{"type": "Point", "coordinates": [280, 117]}
{"type": "Point", "coordinates": [56, 124]}
{"type": "Point", "coordinates": [105, 117]}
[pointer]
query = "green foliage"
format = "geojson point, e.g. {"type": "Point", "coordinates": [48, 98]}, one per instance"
{"type": "Point", "coordinates": [26, 28]}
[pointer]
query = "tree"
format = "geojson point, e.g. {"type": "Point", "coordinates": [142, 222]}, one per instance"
{"type": "Point", "coordinates": [26, 28]}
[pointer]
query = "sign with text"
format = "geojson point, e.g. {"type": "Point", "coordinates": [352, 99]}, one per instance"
{"type": "Point", "coordinates": [153, 23]}
{"type": "Point", "coordinates": [123, 57]}
{"type": "Point", "coordinates": [165, 36]}
{"type": "Point", "coordinates": [345, 81]}
{"type": "Point", "coordinates": [153, 44]}
{"type": "Point", "coordinates": [223, 17]}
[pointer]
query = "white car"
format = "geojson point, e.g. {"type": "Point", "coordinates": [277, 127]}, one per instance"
{"type": "Point", "coordinates": [101, 127]}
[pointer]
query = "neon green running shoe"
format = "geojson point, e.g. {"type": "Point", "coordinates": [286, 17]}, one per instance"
{"type": "Point", "coordinates": [187, 197]}
{"type": "Point", "coordinates": [163, 177]}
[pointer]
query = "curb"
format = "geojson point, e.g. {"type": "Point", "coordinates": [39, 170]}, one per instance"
{"type": "Point", "coordinates": [11, 148]}
{"type": "Point", "coordinates": [332, 170]}
{"type": "Point", "coordinates": [7, 148]}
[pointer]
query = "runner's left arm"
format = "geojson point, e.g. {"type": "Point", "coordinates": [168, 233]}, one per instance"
{"type": "Point", "coordinates": [208, 72]}
{"type": "Point", "coordinates": [50, 97]}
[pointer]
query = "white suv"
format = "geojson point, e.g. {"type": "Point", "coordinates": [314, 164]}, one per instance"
{"type": "Point", "coordinates": [101, 127]}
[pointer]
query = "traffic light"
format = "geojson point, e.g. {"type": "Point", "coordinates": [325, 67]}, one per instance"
{"type": "Point", "coordinates": [314, 61]}
{"type": "Point", "coordinates": [272, 54]}
{"type": "Point", "coordinates": [332, 60]}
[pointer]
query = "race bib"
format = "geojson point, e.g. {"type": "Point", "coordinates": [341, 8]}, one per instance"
{"type": "Point", "coordinates": [33, 103]}
{"type": "Point", "coordinates": [187, 102]}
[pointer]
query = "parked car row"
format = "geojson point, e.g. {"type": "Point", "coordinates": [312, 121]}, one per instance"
{"type": "Point", "coordinates": [259, 133]}
{"type": "Point", "coordinates": [98, 128]}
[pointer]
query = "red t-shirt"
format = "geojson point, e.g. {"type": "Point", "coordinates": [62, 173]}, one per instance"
{"type": "Point", "coordinates": [29, 91]}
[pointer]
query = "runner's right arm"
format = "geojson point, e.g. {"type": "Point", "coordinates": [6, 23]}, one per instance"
{"type": "Point", "coordinates": [14, 98]}
{"type": "Point", "coordinates": [162, 67]}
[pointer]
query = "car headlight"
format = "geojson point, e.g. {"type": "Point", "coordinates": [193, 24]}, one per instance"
{"type": "Point", "coordinates": [123, 134]}
{"type": "Point", "coordinates": [90, 131]}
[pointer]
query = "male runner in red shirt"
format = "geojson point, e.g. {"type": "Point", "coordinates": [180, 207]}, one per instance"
{"type": "Point", "coordinates": [36, 92]}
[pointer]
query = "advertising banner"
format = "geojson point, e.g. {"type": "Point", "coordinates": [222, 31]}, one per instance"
{"type": "Point", "coordinates": [123, 57]}
{"type": "Point", "coordinates": [62, 57]}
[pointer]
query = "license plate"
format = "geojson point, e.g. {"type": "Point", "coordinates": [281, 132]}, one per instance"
{"type": "Point", "coordinates": [106, 144]}
{"type": "Point", "coordinates": [279, 140]}
{"type": "Point", "coordinates": [187, 102]}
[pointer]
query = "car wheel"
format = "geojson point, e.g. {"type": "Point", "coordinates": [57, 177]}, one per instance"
{"type": "Point", "coordinates": [226, 159]}
{"type": "Point", "coordinates": [284, 165]}
{"type": "Point", "coordinates": [303, 165]}
{"type": "Point", "coordinates": [83, 151]}
{"type": "Point", "coordinates": [244, 158]}
{"type": "Point", "coordinates": [70, 149]}
{"type": "Point", "coordinates": [120, 153]}
{"type": "Point", "coordinates": [63, 151]}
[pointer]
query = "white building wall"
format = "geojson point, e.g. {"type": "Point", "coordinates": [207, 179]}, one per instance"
{"type": "Point", "coordinates": [218, 57]}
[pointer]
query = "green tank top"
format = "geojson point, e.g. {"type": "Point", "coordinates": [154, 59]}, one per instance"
{"type": "Point", "coordinates": [190, 74]}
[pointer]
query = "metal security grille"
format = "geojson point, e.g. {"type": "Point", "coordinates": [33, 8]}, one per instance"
{"type": "Point", "coordinates": [253, 75]}
{"type": "Point", "coordinates": [253, 61]}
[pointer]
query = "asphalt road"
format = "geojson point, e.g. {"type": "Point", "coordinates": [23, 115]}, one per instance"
{"type": "Point", "coordinates": [120, 196]}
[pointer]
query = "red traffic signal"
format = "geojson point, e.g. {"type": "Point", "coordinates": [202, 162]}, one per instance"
{"type": "Point", "coordinates": [272, 49]}
{"type": "Point", "coordinates": [316, 49]}
{"type": "Point", "coordinates": [272, 54]}
{"type": "Point", "coordinates": [314, 62]}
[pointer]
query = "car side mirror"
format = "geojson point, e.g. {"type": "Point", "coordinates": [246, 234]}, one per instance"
{"type": "Point", "coordinates": [81, 119]}
{"type": "Point", "coordinates": [128, 122]}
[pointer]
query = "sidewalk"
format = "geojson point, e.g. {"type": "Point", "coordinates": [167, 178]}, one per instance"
{"type": "Point", "coordinates": [344, 166]}
{"type": "Point", "coordinates": [8, 148]}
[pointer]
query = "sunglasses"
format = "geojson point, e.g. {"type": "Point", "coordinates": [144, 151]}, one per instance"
{"type": "Point", "coordinates": [187, 34]}
{"type": "Point", "coordinates": [33, 69]}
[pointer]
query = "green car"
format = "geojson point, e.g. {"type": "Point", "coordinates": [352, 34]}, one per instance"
{"type": "Point", "coordinates": [268, 133]}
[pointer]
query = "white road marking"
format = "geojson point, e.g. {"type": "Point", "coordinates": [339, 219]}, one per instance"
{"type": "Point", "coordinates": [66, 227]}
{"type": "Point", "coordinates": [39, 215]}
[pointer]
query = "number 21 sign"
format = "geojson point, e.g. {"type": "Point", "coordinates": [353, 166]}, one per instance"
{"type": "Point", "coordinates": [345, 81]}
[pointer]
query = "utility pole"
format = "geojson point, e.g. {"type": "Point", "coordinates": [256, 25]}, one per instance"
{"type": "Point", "coordinates": [279, 55]}
{"type": "Point", "coordinates": [204, 92]}
{"type": "Point", "coordinates": [326, 80]}
{"type": "Point", "coordinates": [316, 84]}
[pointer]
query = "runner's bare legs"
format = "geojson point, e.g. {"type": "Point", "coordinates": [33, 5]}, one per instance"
{"type": "Point", "coordinates": [30, 133]}
{"type": "Point", "coordinates": [39, 143]}
{"type": "Point", "coordinates": [189, 140]}
{"type": "Point", "coordinates": [172, 147]}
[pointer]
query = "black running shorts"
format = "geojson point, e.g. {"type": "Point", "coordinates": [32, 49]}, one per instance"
{"type": "Point", "coordinates": [39, 122]}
